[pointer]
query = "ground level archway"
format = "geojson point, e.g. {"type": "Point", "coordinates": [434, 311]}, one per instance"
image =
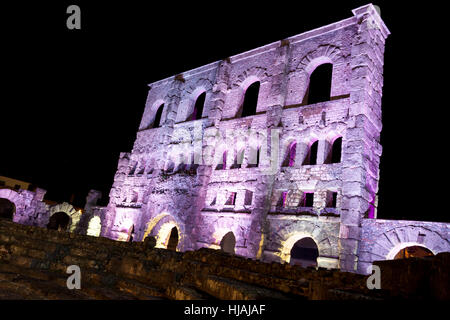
{"type": "Point", "coordinates": [304, 253]}
{"type": "Point", "coordinates": [228, 243]}
{"type": "Point", "coordinates": [168, 236]}
{"type": "Point", "coordinates": [173, 239]}
{"type": "Point", "coordinates": [413, 252]}
{"type": "Point", "coordinates": [94, 226]}
{"type": "Point", "coordinates": [7, 209]}
{"type": "Point", "coordinates": [59, 221]}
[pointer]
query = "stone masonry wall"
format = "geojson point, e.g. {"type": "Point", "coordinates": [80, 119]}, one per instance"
{"type": "Point", "coordinates": [151, 194]}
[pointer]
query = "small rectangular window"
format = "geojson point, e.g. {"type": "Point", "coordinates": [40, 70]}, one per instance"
{"type": "Point", "coordinates": [307, 200]}
{"type": "Point", "coordinates": [17, 187]}
{"type": "Point", "coordinates": [331, 199]}
{"type": "Point", "coordinates": [2, 183]}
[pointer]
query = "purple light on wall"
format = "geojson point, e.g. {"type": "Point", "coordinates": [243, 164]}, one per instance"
{"type": "Point", "coordinates": [283, 198]}
{"type": "Point", "coordinates": [292, 151]}
{"type": "Point", "coordinates": [371, 213]}
{"type": "Point", "coordinates": [224, 160]}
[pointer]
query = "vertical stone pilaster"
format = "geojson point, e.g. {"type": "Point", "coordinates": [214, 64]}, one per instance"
{"type": "Point", "coordinates": [259, 229]}
{"type": "Point", "coordinates": [220, 90]}
{"type": "Point", "coordinates": [361, 149]}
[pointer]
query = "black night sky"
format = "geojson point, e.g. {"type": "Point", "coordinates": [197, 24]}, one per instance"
{"type": "Point", "coordinates": [72, 99]}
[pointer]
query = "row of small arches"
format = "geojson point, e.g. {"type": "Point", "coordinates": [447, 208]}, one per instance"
{"type": "Point", "coordinates": [333, 155]}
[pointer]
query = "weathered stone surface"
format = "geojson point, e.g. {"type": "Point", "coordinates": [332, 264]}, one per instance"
{"type": "Point", "coordinates": [175, 180]}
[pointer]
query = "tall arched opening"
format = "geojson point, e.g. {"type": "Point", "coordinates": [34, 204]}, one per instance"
{"type": "Point", "coordinates": [228, 243]}
{"type": "Point", "coordinates": [173, 239]}
{"type": "Point", "coordinates": [158, 115]}
{"type": "Point", "coordinates": [319, 88]}
{"type": "Point", "coordinates": [250, 100]}
{"type": "Point", "coordinates": [59, 221]}
{"type": "Point", "coordinates": [7, 209]}
{"type": "Point", "coordinates": [305, 253]}
{"type": "Point", "coordinates": [94, 227]}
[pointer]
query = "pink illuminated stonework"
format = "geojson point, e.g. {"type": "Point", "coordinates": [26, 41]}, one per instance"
{"type": "Point", "coordinates": [269, 174]}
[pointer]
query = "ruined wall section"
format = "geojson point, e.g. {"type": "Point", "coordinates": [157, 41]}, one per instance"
{"type": "Point", "coordinates": [383, 239]}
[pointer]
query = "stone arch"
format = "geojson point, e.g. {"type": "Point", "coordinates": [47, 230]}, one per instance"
{"type": "Point", "coordinates": [94, 226]}
{"type": "Point", "coordinates": [7, 209]}
{"type": "Point", "coordinates": [154, 109]}
{"type": "Point", "coordinates": [164, 234]}
{"type": "Point", "coordinates": [397, 248]}
{"type": "Point", "coordinates": [289, 154]}
{"type": "Point", "coordinates": [322, 54]}
{"type": "Point", "coordinates": [59, 221]}
{"type": "Point", "coordinates": [228, 243]}
{"type": "Point", "coordinates": [287, 236]}
{"type": "Point", "coordinates": [199, 86]}
{"type": "Point", "coordinates": [192, 92]}
{"type": "Point", "coordinates": [289, 243]}
{"type": "Point", "coordinates": [305, 139]}
{"type": "Point", "coordinates": [390, 242]}
{"type": "Point", "coordinates": [12, 196]}
{"type": "Point", "coordinates": [63, 207]}
{"type": "Point", "coordinates": [334, 131]}
{"type": "Point", "coordinates": [68, 209]}
{"type": "Point", "coordinates": [161, 226]}
{"type": "Point", "coordinates": [305, 252]}
{"type": "Point", "coordinates": [249, 76]}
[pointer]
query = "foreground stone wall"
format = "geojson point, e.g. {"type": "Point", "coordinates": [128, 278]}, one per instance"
{"type": "Point", "coordinates": [33, 264]}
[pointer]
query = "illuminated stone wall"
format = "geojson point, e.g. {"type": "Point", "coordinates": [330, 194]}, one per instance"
{"type": "Point", "coordinates": [31, 209]}
{"type": "Point", "coordinates": [154, 191]}
{"type": "Point", "coordinates": [383, 239]}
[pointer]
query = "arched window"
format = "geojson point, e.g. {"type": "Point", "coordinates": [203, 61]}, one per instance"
{"type": "Point", "coordinates": [250, 100]}
{"type": "Point", "coordinates": [157, 121]}
{"type": "Point", "coordinates": [336, 150]}
{"type": "Point", "coordinates": [311, 157]}
{"type": "Point", "coordinates": [334, 155]}
{"type": "Point", "coordinates": [289, 160]}
{"type": "Point", "coordinates": [319, 84]}
{"type": "Point", "coordinates": [305, 253]}
{"type": "Point", "coordinates": [198, 107]}
{"type": "Point", "coordinates": [228, 243]}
